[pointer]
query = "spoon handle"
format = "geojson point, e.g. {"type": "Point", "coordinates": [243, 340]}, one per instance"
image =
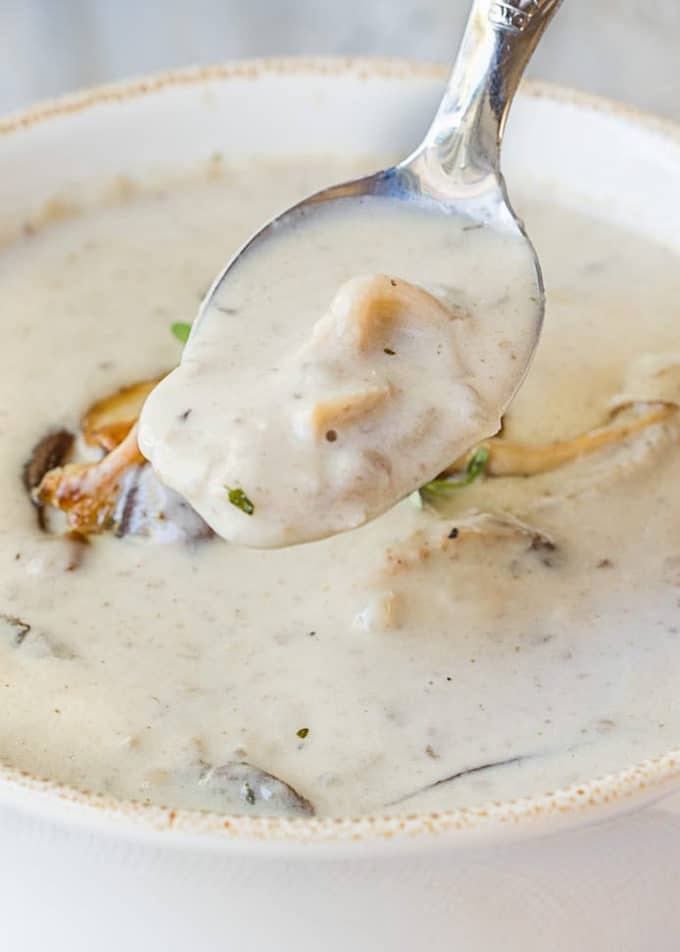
{"type": "Point", "coordinates": [498, 42]}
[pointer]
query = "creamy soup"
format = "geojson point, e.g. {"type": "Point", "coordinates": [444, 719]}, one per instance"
{"type": "Point", "coordinates": [283, 426]}
{"type": "Point", "coordinates": [512, 628]}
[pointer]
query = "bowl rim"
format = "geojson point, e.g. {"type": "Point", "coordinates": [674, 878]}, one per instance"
{"type": "Point", "coordinates": [607, 795]}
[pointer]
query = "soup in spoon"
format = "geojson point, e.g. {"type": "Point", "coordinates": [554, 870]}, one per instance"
{"type": "Point", "coordinates": [313, 396]}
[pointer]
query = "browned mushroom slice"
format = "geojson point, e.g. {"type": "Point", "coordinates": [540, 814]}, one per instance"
{"type": "Point", "coordinates": [49, 452]}
{"type": "Point", "coordinates": [458, 775]}
{"type": "Point", "coordinates": [87, 492]}
{"type": "Point", "coordinates": [507, 458]}
{"type": "Point", "coordinates": [109, 420]}
{"type": "Point", "coordinates": [482, 527]}
{"type": "Point", "coordinates": [335, 412]}
{"type": "Point", "coordinates": [369, 305]}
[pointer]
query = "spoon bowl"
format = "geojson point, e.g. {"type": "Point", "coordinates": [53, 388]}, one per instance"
{"type": "Point", "coordinates": [456, 168]}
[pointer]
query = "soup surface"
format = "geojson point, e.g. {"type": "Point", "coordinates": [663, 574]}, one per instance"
{"type": "Point", "coordinates": [508, 636]}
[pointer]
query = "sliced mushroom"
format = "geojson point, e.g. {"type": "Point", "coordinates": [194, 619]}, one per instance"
{"type": "Point", "coordinates": [88, 492]}
{"type": "Point", "coordinates": [367, 306]}
{"type": "Point", "coordinates": [109, 420]}
{"type": "Point", "coordinates": [484, 527]}
{"type": "Point", "coordinates": [18, 633]}
{"type": "Point", "coordinates": [74, 545]}
{"type": "Point", "coordinates": [335, 412]}
{"type": "Point", "coordinates": [146, 507]}
{"type": "Point", "coordinates": [507, 458]}
{"type": "Point", "coordinates": [49, 452]}
{"type": "Point", "coordinates": [13, 629]}
{"type": "Point", "coordinates": [382, 612]}
{"type": "Point", "coordinates": [236, 787]}
{"type": "Point", "coordinates": [254, 788]}
{"type": "Point", "coordinates": [499, 548]}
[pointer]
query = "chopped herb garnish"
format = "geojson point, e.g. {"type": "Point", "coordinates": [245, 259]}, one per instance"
{"type": "Point", "coordinates": [181, 331]}
{"type": "Point", "coordinates": [474, 469]}
{"type": "Point", "coordinates": [302, 733]}
{"type": "Point", "coordinates": [389, 351]}
{"type": "Point", "coordinates": [453, 534]}
{"type": "Point", "coordinates": [239, 499]}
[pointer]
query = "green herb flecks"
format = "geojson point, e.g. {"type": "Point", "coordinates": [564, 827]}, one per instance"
{"type": "Point", "coordinates": [302, 733]}
{"type": "Point", "coordinates": [238, 498]}
{"type": "Point", "coordinates": [390, 352]}
{"type": "Point", "coordinates": [474, 469]}
{"type": "Point", "coordinates": [181, 331]}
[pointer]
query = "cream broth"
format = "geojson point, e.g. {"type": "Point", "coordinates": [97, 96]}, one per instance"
{"type": "Point", "coordinates": [399, 667]}
{"type": "Point", "coordinates": [282, 425]}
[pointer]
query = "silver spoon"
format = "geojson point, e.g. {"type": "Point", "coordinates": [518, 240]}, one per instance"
{"type": "Point", "coordinates": [458, 162]}
{"type": "Point", "coordinates": [452, 182]}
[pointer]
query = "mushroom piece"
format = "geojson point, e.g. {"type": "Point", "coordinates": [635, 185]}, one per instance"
{"type": "Point", "coordinates": [367, 306]}
{"type": "Point", "coordinates": [146, 507]}
{"type": "Point", "coordinates": [120, 493]}
{"type": "Point", "coordinates": [449, 557]}
{"type": "Point", "coordinates": [49, 452]}
{"type": "Point", "coordinates": [87, 492]}
{"type": "Point", "coordinates": [506, 458]}
{"type": "Point", "coordinates": [650, 378]}
{"type": "Point", "coordinates": [109, 420]}
{"type": "Point", "coordinates": [234, 787]}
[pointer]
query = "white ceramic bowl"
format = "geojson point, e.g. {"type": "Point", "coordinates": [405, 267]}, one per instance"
{"type": "Point", "coordinates": [583, 868]}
